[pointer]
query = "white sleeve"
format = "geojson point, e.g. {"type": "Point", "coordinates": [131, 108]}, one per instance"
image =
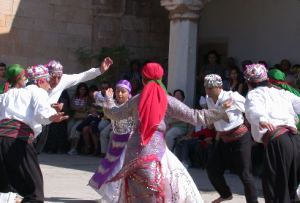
{"type": "Point", "coordinates": [295, 101]}
{"type": "Point", "coordinates": [238, 101]}
{"type": "Point", "coordinates": [237, 106]}
{"type": "Point", "coordinates": [74, 79]}
{"type": "Point", "coordinates": [41, 106]}
{"type": "Point", "coordinates": [255, 109]}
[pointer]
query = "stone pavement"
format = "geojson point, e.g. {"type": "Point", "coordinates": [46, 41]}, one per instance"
{"type": "Point", "coordinates": [66, 178]}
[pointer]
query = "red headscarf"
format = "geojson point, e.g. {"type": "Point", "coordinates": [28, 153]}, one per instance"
{"type": "Point", "coordinates": [153, 101]}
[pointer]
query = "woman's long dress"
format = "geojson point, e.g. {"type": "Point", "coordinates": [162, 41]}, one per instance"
{"type": "Point", "coordinates": [152, 173]}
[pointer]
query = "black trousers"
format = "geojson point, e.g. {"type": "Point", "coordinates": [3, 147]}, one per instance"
{"type": "Point", "coordinates": [236, 156]}
{"type": "Point", "coordinates": [57, 139]}
{"type": "Point", "coordinates": [20, 171]}
{"type": "Point", "coordinates": [281, 174]}
{"type": "Point", "coordinates": [42, 139]}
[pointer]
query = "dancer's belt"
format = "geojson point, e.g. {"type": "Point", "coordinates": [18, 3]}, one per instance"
{"type": "Point", "coordinates": [233, 134]}
{"type": "Point", "coordinates": [275, 134]}
{"type": "Point", "coordinates": [16, 129]}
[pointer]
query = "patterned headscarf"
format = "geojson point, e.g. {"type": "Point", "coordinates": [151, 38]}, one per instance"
{"type": "Point", "coordinates": [55, 67]}
{"type": "Point", "coordinates": [213, 80]}
{"type": "Point", "coordinates": [36, 72]}
{"type": "Point", "coordinates": [255, 73]}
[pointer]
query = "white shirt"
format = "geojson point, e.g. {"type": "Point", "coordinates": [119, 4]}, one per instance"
{"type": "Point", "coordinates": [278, 107]}
{"type": "Point", "coordinates": [72, 80]}
{"type": "Point", "coordinates": [234, 113]}
{"type": "Point", "coordinates": [29, 106]}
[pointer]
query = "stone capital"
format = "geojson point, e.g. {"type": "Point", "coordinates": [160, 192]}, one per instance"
{"type": "Point", "coordinates": [184, 9]}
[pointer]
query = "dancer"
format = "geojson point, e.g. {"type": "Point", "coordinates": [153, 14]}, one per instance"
{"type": "Point", "coordinates": [22, 112]}
{"type": "Point", "coordinates": [59, 82]}
{"type": "Point", "coordinates": [278, 79]}
{"type": "Point", "coordinates": [114, 159]}
{"type": "Point", "coordinates": [233, 149]}
{"type": "Point", "coordinates": [271, 113]}
{"type": "Point", "coordinates": [151, 173]}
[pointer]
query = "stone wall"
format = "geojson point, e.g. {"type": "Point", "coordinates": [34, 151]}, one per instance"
{"type": "Point", "coordinates": [35, 31]}
{"type": "Point", "coordinates": [142, 26]}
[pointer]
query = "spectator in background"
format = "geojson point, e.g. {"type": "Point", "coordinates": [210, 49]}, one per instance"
{"type": "Point", "coordinates": [285, 66]}
{"type": "Point", "coordinates": [176, 128]}
{"type": "Point", "coordinates": [211, 66]}
{"type": "Point", "coordinates": [104, 124]}
{"type": "Point", "coordinates": [89, 130]}
{"type": "Point", "coordinates": [2, 73]}
{"type": "Point", "coordinates": [235, 80]}
{"type": "Point", "coordinates": [197, 141]}
{"type": "Point", "coordinates": [79, 106]}
{"type": "Point", "coordinates": [92, 90]}
{"type": "Point", "coordinates": [231, 64]}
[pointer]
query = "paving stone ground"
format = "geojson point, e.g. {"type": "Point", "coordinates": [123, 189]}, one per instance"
{"type": "Point", "coordinates": [66, 177]}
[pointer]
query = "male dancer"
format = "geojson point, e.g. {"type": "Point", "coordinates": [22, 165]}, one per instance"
{"type": "Point", "coordinates": [272, 114]}
{"type": "Point", "coordinates": [234, 147]}
{"type": "Point", "coordinates": [59, 82]}
{"type": "Point", "coordinates": [22, 112]}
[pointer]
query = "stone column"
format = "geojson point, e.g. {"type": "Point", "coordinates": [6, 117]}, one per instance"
{"type": "Point", "coordinates": [184, 16]}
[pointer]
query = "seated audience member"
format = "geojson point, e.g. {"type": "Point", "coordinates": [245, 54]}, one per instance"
{"type": "Point", "coordinates": [176, 128]}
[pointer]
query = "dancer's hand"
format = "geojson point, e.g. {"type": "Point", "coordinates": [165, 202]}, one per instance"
{"type": "Point", "coordinates": [56, 118]}
{"type": "Point", "coordinates": [109, 93]}
{"type": "Point", "coordinates": [58, 106]}
{"type": "Point", "coordinates": [227, 104]}
{"type": "Point", "coordinates": [106, 63]}
{"type": "Point", "coordinates": [266, 125]}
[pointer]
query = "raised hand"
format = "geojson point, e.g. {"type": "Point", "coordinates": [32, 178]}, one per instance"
{"type": "Point", "coordinates": [58, 117]}
{"type": "Point", "coordinates": [106, 63]}
{"type": "Point", "coordinates": [109, 92]}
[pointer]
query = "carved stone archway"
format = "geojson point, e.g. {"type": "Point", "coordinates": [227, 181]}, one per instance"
{"type": "Point", "coordinates": [184, 16]}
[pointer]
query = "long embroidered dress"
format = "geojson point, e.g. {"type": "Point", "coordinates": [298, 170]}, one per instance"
{"type": "Point", "coordinates": [152, 173]}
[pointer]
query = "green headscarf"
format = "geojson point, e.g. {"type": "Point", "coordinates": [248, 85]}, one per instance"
{"type": "Point", "coordinates": [277, 77]}
{"type": "Point", "coordinates": [12, 75]}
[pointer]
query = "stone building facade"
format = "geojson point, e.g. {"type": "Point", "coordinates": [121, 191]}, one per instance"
{"type": "Point", "coordinates": [34, 31]}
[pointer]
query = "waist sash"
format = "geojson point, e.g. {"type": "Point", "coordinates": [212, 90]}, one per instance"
{"type": "Point", "coordinates": [233, 134]}
{"type": "Point", "coordinates": [275, 134]}
{"type": "Point", "coordinates": [16, 129]}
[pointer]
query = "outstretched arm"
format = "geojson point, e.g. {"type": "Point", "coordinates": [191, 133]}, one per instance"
{"type": "Point", "coordinates": [74, 79]}
{"type": "Point", "coordinates": [180, 111]}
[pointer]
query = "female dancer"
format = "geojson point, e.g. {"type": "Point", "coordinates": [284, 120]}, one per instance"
{"type": "Point", "coordinates": [151, 173]}
{"type": "Point", "coordinates": [113, 161]}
